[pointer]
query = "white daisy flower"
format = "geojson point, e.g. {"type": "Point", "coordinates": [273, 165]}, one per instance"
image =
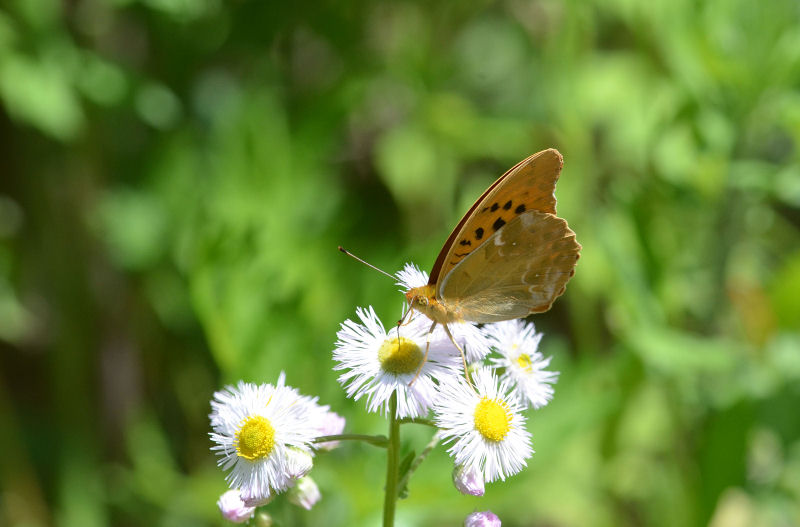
{"type": "Point", "coordinates": [411, 276]}
{"type": "Point", "coordinates": [253, 428]}
{"type": "Point", "coordinates": [484, 424]}
{"type": "Point", "coordinates": [471, 338]}
{"type": "Point", "coordinates": [378, 363]}
{"type": "Point", "coordinates": [517, 343]}
{"type": "Point", "coordinates": [467, 334]}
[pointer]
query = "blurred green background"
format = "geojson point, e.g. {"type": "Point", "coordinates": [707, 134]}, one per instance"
{"type": "Point", "coordinates": [175, 176]}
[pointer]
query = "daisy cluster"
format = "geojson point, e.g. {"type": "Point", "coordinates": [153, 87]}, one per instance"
{"type": "Point", "coordinates": [266, 436]}
{"type": "Point", "coordinates": [481, 420]}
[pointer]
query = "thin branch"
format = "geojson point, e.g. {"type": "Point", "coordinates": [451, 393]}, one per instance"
{"type": "Point", "coordinates": [379, 441]}
{"type": "Point", "coordinates": [417, 421]}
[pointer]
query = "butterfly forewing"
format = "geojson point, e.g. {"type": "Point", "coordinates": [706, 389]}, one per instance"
{"type": "Point", "coordinates": [519, 269]}
{"type": "Point", "coordinates": [528, 186]}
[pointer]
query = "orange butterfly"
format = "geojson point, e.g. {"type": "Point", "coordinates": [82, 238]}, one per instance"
{"type": "Point", "coordinates": [508, 257]}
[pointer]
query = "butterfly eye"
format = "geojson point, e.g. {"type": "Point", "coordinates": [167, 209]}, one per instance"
{"type": "Point", "coordinates": [422, 300]}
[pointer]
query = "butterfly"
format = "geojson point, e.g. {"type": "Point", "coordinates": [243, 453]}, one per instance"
{"type": "Point", "coordinates": [508, 257]}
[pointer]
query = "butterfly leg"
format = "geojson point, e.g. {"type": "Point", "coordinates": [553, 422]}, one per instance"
{"type": "Point", "coordinates": [425, 358]}
{"type": "Point", "coordinates": [459, 348]}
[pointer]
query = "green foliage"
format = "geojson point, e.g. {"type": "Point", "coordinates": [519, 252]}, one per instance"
{"type": "Point", "coordinates": [177, 175]}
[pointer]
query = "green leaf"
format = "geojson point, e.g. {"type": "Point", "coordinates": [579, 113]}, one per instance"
{"type": "Point", "coordinates": [404, 467]}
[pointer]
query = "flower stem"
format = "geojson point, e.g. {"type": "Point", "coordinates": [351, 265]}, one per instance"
{"type": "Point", "coordinates": [392, 461]}
{"type": "Point", "coordinates": [379, 441]}
{"type": "Point", "coordinates": [417, 421]}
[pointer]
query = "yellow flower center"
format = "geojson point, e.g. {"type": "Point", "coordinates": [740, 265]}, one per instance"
{"type": "Point", "coordinates": [524, 362]}
{"type": "Point", "coordinates": [400, 355]}
{"type": "Point", "coordinates": [492, 419]}
{"type": "Point", "coordinates": [255, 438]}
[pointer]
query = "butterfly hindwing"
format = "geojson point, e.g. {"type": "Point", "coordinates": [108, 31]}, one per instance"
{"type": "Point", "coordinates": [528, 186]}
{"type": "Point", "coordinates": [519, 269]}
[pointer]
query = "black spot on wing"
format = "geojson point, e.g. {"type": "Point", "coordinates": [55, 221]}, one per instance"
{"type": "Point", "coordinates": [498, 224]}
{"type": "Point", "coordinates": [461, 255]}
{"type": "Point", "coordinates": [520, 209]}
{"type": "Point", "coordinates": [465, 242]}
{"type": "Point", "coordinates": [507, 205]}
{"type": "Point", "coordinates": [479, 233]}
{"type": "Point", "coordinates": [494, 207]}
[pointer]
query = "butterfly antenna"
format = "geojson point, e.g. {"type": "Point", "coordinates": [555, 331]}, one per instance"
{"type": "Point", "coordinates": [351, 255]}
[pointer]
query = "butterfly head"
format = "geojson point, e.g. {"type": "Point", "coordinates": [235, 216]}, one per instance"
{"type": "Point", "coordinates": [424, 300]}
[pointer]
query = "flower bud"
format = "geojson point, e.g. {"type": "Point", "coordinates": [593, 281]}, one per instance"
{"type": "Point", "coordinates": [263, 519]}
{"type": "Point", "coordinates": [298, 462]}
{"type": "Point", "coordinates": [304, 494]}
{"type": "Point", "coordinates": [482, 519]}
{"type": "Point", "coordinates": [256, 500]}
{"type": "Point", "coordinates": [468, 481]}
{"type": "Point", "coordinates": [233, 508]}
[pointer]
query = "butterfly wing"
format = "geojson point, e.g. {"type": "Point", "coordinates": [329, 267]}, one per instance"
{"type": "Point", "coordinates": [529, 185]}
{"type": "Point", "coordinates": [520, 269]}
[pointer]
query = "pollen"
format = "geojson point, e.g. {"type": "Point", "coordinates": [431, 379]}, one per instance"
{"type": "Point", "coordinates": [255, 438]}
{"type": "Point", "coordinates": [524, 362]}
{"type": "Point", "coordinates": [400, 355]}
{"type": "Point", "coordinates": [492, 419]}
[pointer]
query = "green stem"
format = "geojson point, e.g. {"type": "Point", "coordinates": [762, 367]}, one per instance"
{"type": "Point", "coordinates": [379, 441]}
{"type": "Point", "coordinates": [392, 461]}
{"type": "Point", "coordinates": [417, 421]}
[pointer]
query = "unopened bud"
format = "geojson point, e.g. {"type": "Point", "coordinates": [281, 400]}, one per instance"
{"type": "Point", "coordinates": [468, 481]}
{"type": "Point", "coordinates": [256, 500]}
{"type": "Point", "coordinates": [305, 493]}
{"type": "Point", "coordinates": [233, 508]}
{"type": "Point", "coordinates": [298, 462]}
{"type": "Point", "coordinates": [482, 519]}
{"type": "Point", "coordinates": [263, 519]}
